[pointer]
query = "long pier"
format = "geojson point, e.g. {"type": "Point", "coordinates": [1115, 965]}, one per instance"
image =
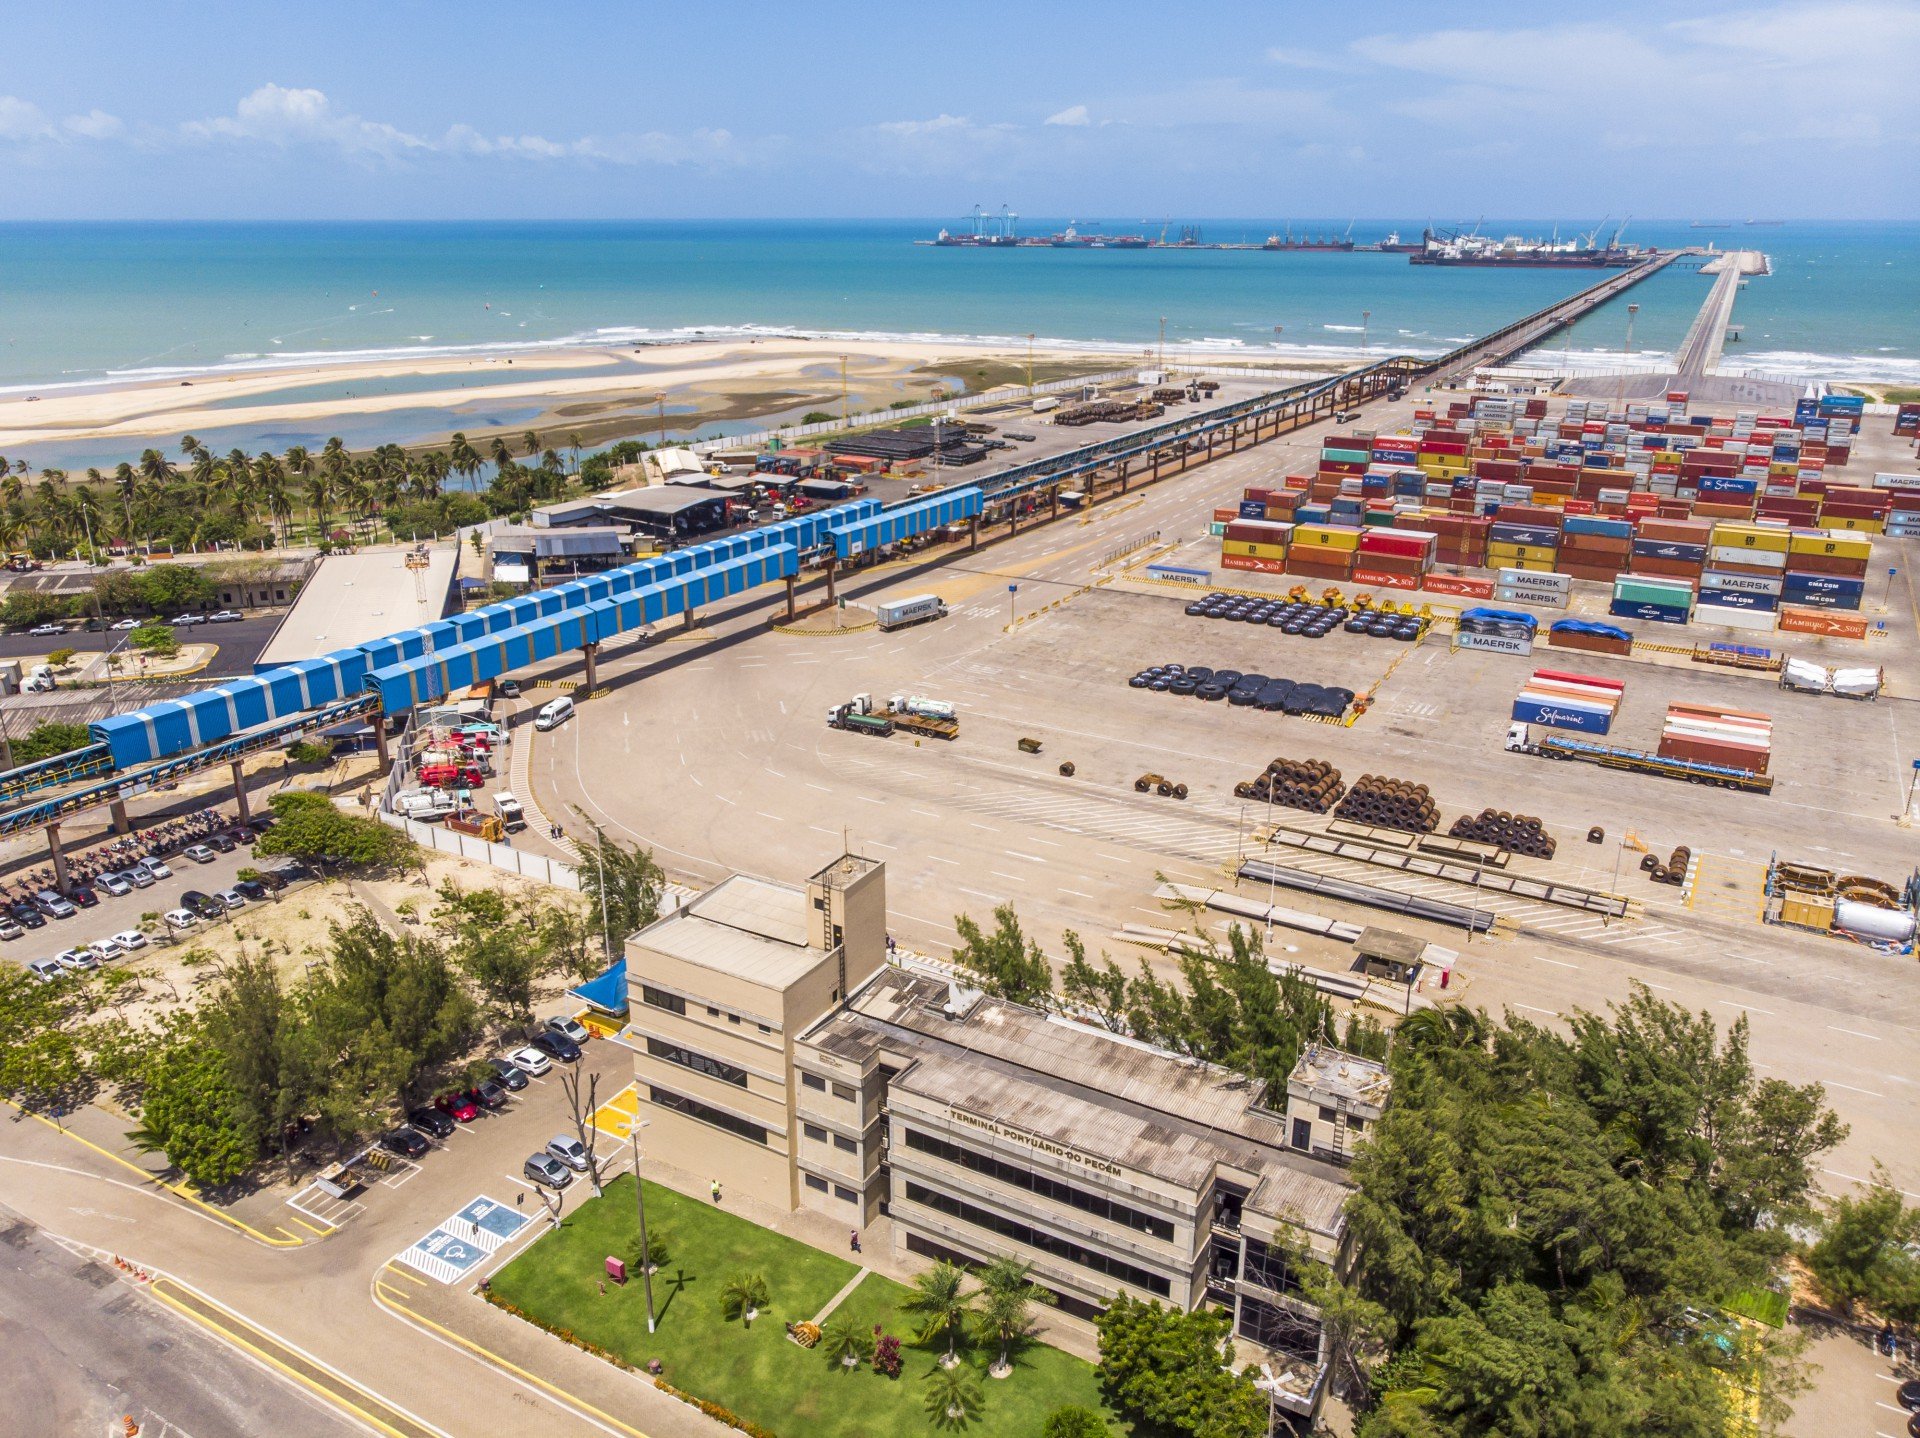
{"type": "Point", "coordinates": [1707, 337]}
{"type": "Point", "coordinates": [1503, 344]}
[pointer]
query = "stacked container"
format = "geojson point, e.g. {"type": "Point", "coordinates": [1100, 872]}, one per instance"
{"type": "Point", "coordinates": [1707, 734]}
{"type": "Point", "coordinates": [1826, 570]}
{"type": "Point", "coordinates": [1323, 551]}
{"type": "Point", "coordinates": [1393, 558]}
{"type": "Point", "coordinates": [1643, 596]}
{"type": "Point", "coordinates": [1555, 699]}
{"type": "Point", "coordinates": [1259, 545]}
{"type": "Point", "coordinates": [1593, 638]}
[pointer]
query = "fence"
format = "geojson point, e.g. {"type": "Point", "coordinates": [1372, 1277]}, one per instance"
{"type": "Point", "coordinates": [1009, 393]}
{"type": "Point", "coordinates": [500, 856]}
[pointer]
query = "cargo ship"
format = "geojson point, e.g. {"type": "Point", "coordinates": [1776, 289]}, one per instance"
{"type": "Point", "coordinates": [1513, 252]}
{"type": "Point", "coordinates": [1340, 244]}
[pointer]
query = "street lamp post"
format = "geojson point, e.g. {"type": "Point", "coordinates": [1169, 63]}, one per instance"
{"type": "Point", "coordinates": [1365, 317]}
{"type": "Point", "coordinates": [640, 1202]}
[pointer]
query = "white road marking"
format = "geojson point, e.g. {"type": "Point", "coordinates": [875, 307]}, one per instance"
{"type": "Point", "coordinates": [1855, 1032]}
{"type": "Point", "coordinates": [1011, 878]}
{"type": "Point", "coordinates": [1561, 962]}
{"type": "Point", "coordinates": [943, 859]}
{"type": "Point", "coordinates": [1030, 858]}
{"type": "Point", "coordinates": [990, 898]}
{"type": "Point", "coordinates": [1835, 1083]}
{"type": "Point", "coordinates": [1531, 1009]}
{"type": "Point", "coordinates": [1076, 893]}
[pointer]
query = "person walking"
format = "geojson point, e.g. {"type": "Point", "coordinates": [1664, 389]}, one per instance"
{"type": "Point", "coordinates": [853, 1239]}
{"type": "Point", "coordinates": [715, 1190]}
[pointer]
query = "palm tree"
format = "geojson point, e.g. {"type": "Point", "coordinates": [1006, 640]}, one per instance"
{"type": "Point", "coordinates": [531, 443]}
{"type": "Point", "coordinates": [1007, 1298]}
{"type": "Point", "coordinates": [953, 1398]}
{"type": "Point", "coordinates": [939, 1304]}
{"type": "Point", "coordinates": [744, 1295]}
{"type": "Point", "coordinates": [846, 1342]}
{"type": "Point", "coordinates": [502, 456]}
{"type": "Point", "coordinates": [188, 444]}
{"type": "Point", "coordinates": [156, 466]}
{"type": "Point", "coordinates": [462, 457]}
{"type": "Point", "coordinates": [575, 444]}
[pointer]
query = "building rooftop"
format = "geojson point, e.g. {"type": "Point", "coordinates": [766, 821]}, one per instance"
{"type": "Point", "coordinates": [1329, 1071]}
{"type": "Point", "coordinates": [1096, 1094]}
{"type": "Point", "coordinates": [352, 598]}
{"type": "Point", "coordinates": [746, 928]}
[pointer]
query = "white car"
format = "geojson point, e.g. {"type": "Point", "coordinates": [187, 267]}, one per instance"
{"type": "Point", "coordinates": [130, 939]}
{"type": "Point", "coordinates": [47, 629]}
{"type": "Point", "coordinates": [201, 854]}
{"type": "Point", "coordinates": [180, 919]}
{"type": "Point", "coordinates": [184, 621]}
{"type": "Point", "coordinates": [569, 1151]}
{"type": "Point", "coordinates": [128, 624]}
{"type": "Point", "coordinates": [77, 959]}
{"type": "Point", "coordinates": [104, 949]}
{"type": "Point", "coordinates": [156, 869]}
{"type": "Point", "coordinates": [531, 1060]}
{"type": "Point", "coordinates": [45, 970]}
{"type": "Point", "coordinates": [225, 616]}
{"type": "Point", "coordinates": [116, 884]}
{"type": "Point", "coordinates": [232, 898]}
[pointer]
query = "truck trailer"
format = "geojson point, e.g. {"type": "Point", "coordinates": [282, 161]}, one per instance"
{"type": "Point", "coordinates": [915, 609]}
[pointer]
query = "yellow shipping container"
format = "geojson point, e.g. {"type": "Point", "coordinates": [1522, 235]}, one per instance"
{"type": "Point", "coordinates": [1536, 566]}
{"type": "Point", "coordinates": [1510, 555]}
{"type": "Point", "coordinates": [1751, 536]}
{"type": "Point", "coordinates": [1821, 543]}
{"type": "Point", "coordinates": [1258, 551]}
{"type": "Point", "coordinates": [1331, 536]}
{"type": "Point", "coordinates": [1810, 911]}
{"type": "Point", "coordinates": [1857, 525]}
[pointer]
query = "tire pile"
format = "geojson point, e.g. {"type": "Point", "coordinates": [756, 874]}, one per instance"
{"type": "Point", "coordinates": [1308, 620]}
{"type": "Point", "coordinates": [1389, 804]}
{"type": "Point", "coordinates": [1310, 784]}
{"type": "Point", "coordinates": [1674, 871]}
{"type": "Point", "coordinates": [1245, 691]}
{"type": "Point", "coordinates": [1517, 833]}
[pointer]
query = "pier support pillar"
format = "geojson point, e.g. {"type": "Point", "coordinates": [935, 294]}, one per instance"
{"type": "Point", "coordinates": [1124, 467]}
{"type": "Point", "coordinates": [121, 823]}
{"type": "Point", "coordinates": [1053, 501]}
{"type": "Point", "coordinates": [790, 608]}
{"type": "Point", "coordinates": [833, 593]}
{"type": "Point", "coordinates": [240, 791]}
{"type": "Point", "coordinates": [379, 722]}
{"type": "Point", "coordinates": [59, 857]}
{"type": "Point", "coordinates": [973, 535]}
{"type": "Point", "coordinates": [592, 653]}
{"type": "Point", "coordinates": [1156, 467]}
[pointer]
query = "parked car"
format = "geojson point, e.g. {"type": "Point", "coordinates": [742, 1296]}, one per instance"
{"type": "Point", "coordinates": [130, 939]}
{"type": "Point", "coordinates": [430, 1120]}
{"type": "Point", "coordinates": [509, 688]}
{"type": "Point", "coordinates": [46, 630]}
{"type": "Point", "coordinates": [530, 1061]}
{"type": "Point", "coordinates": [558, 1046]}
{"type": "Point", "coordinates": [572, 1028]}
{"type": "Point", "coordinates": [137, 876]}
{"type": "Point", "coordinates": [179, 919]}
{"type": "Point", "coordinates": [488, 1094]}
{"type": "Point", "coordinates": [9, 930]}
{"type": "Point", "coordinates": [408, 1142]}
{"type": "Point", "coordinates": [270, 879]}
{"type": "Point", "coordinates": [155, 868]}
{"type": "Point", "coordinates": [54, 906]}
{"type": "Point", "coordinates": [45, 970]}
{"type": "Point", "coordinates": [115, 884]}
{"type": "Point", "coordinates": [250, 889]}
{"type": "Point", "coordinates": [201, 854]}
{"type": "Point", "coordinates": [547, 1171]}
{"type": "Point", "coordinates": [458, 1107]}
{"type": "Point", "coordinates": [83, 896]}
{"type": "Point", "coordinates": [187, 621]}
{"type": "Point", "coordinates": [127, 624]}
{"type": "Point", "coordinates": [201, 905]}
{"type": "Point", "coordinates": [225, 616]}
{"type": "Point", "coordinates": [26, 915]}
{"type": "Point", "coordinates": [232, 898]}
{"type": "Point", "coordinates": [221, 842]}
{"type": "Point", "coordinates": [508, 1074]}
{"type": "Point", "coordinates": [104, 949]}
{"type": "Point", "coordinates": [568, 1150]}
{"type": "Point", "coordinates": [77, 959]}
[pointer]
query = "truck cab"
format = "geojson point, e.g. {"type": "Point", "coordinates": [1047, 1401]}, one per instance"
{"type": "Point", "coordinates": [1518, 740]}
{"type": "Point", "coordinates": [511, 814]}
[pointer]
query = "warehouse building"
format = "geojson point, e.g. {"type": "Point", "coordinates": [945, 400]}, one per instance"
{"type": "Point", "coordinates": [777, 1051]}
{"type": "Point", "coordinates": [522, 554]}
{"type": "Point", "coordinates": [663, 511]}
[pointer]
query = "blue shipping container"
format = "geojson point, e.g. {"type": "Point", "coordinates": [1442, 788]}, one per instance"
{"type": "Point", "coordinates": [1798, 584]}
{"type": "Point", "coordinates": [1562, 715]}
{"type": "Point", "coordinates": [1531, 534]}
{"type": "Point", "coordinates": [1669, 549]}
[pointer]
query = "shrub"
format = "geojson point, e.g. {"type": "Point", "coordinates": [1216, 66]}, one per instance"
{"type": "Point", "coordinates": [715, 1411]}
{"type": "Point", "coordinates": [886, 1356]}
{"type": "Point", "coordinates": [1074, 1421]}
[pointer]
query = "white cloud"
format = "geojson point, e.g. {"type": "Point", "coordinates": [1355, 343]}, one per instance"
{"type": "Point", "coordinates": [22, 120]}
{"type": "Point", "coordinates": [1301, 59]}
{"type": "Point", "coordinates": [94, 125]}
{"type": "Point", "coordinates": [914, 129]}
{"type": "Point", "coordinates": [275, 115]}
{"type": "Point", "coordinates": [1073, 115]}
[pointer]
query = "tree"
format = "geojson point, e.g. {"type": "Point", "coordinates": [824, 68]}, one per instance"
{"type": "Point", "coordinates": [1074, 1421]}
{"type": "Point", "coordinates": [49, 738]}
{"type": "Point", "coordinates": [941, 1306]}
{"type": "Point", "coordinates": [742, 1297]}
{"type": "Point", "coordinates": [312, 826]}
{"type": "Point", "coordinates": [175, 587]}
{"type": "Point", "coordinates": [154, 638]}
{"type": "Point", "coordinates": [1170, 1370]}
{"type": "Point", "coordinates": [1861, 1252]}
{"type": "Point", "coordinates": [847, 1343]}
{"type": "Point", "coordinates": [191, 1112]}
{"type": "Point", "coordinates": [62, 657]}
{"type": "Point", "coordinates": [505, 947]}
{"type": "Point", "coordinates": [1007, 1298]}
{"type": "Point", "coordinates": [43, 1052]}
{"type": "Point", "coordinates": [583, 1107]}
{"type": "Point", "coordinates": [1004, 963]}
{"type": "Point", "coordinates": [623, 882]}
{"type": "Point", "coordinates": [953, 1398]}
{"type": "Point", "coordinates": [27, 607]}
{"type": "Point", "coordinates": [1100, 993]}
{"type": "Point", "coordinates": [658, 1250]}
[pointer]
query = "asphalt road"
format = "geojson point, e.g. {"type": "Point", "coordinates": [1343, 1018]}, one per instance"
{"type": "Point", "coordinates": [86, 1348]}
{"type": "Point", "coordinates": [240, 643]}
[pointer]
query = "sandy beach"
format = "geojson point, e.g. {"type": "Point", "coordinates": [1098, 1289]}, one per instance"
{"type": "Point", "coordinates": [603, 391]}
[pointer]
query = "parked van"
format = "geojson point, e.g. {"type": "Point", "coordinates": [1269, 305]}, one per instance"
{"type": "Point", "coordinates": [553, 714]}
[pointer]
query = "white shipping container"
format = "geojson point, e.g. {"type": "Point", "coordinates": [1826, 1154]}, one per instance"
{"type": "Point", "coordinates": [1738, 554]}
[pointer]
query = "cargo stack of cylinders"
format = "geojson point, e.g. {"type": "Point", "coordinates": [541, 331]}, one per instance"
{"type": "Point", "coordinates": [1708, 734]}
{"type": "Point", "coordinates": [1323, 551]}
{"type": "Point", "coordinates": [1556, 699]}
{"type": "Point", "coordinates": [1259, 545]}
{"type": "Point", "coordinates": [1393, 558]}
{"type": "Point", "coordinates": [1641, 596]}
{"type": "Point", "coordinates": [1390, 804]}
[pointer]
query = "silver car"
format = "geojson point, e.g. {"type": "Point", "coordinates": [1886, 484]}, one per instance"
{"type": "Point", "coordinates": [547, 1171]}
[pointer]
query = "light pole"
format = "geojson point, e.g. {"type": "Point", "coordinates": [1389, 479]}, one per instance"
{"type": "Point", "coordinates": [640, 1202]}
{"type": "Point", "coordinates": [1632, 310]}
{"type": "Point", "coordinates": [1613, 886]}
{"type": "Point", "coordinates": [1365, 317]}
{"type": "Point", "coordinates": [1163, 342]}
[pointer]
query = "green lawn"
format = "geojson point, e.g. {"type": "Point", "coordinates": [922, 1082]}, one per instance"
{"type": "Point", "coordinates": [755, 1371]}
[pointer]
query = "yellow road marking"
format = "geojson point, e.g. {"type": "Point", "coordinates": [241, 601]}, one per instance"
{"type": "Point", "coordinates": [388, 1299]}
{"type": "Point", "coordinates": [178, 1190]}
{"type": "Point", "coordinates": [310, 1228]}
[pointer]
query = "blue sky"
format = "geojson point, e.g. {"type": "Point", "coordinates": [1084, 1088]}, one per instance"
{"type": "Point", "coordinates": [409, 109]}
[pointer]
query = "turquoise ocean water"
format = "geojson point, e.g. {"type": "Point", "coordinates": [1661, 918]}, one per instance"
{"type": "Point", "coordinates": [94, 303]}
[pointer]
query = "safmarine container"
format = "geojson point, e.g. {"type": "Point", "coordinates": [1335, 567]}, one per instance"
{"type": "Point", "coordinates": [1552, 713]}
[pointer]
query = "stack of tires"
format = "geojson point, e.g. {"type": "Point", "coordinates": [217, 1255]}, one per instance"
{"type": "Point", "coordinates": [1674, 871]}
{"type": "Point", "coordinates": [1388, 803]}
{"type": "Point", "coordinates": [1310, 784]}
{"type": "Point", "coordinates": [1517, 833]}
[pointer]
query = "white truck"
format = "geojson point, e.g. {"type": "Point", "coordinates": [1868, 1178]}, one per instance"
{"type": "Point", "coordinates": [1041, 406]}
{"type": "Point", "coordinates": [923, 706]}
{"type": "Point", "coordinates": [426, 805]}
{"type": "Point", "coordinates": [914, 609]}
{"type": "Point", "coordinates": [507, 807]}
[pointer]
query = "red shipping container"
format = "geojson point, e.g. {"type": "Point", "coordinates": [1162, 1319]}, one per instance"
{"type": "Point", "coordinates": [1469, 586]}
{"type": "Point", "coordinates": [1603, 573]}
{"type": "Point", "coordinates": [1709, 751]}
{"type": "Point", "coordinates": [1254, 562]}
{"type": "Point", "coordinates": [1385, 580]}
{"type": "Point", "coordinates": [1406, 543]}
{"type": "Point", "coordinates": [1667, 568]}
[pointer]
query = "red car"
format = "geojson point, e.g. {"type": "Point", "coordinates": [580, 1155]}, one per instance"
{"type": "Point", "coordinates": [458, 1107]}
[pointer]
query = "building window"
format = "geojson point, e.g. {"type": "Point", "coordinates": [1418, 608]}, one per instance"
{"type": "Point", "coordinates": [845, 1195]}
{"type": "Point", "coordinates": [1326, 1114]}
{"type": "Point", "coordinates": [661, 999]}
{"type": "Point", "coordinates": [1046, 1242]}
{"type": "Point", "coordinates": [841, 1091]}
{"type": "Point", "coordinates": [814, 1082]}
{"type": "Point", "coordinates": [763, 1028]}
{"type": "Point", "coordinates": [706, 1113]}
{"type": "Point", "coordinates": [814, 1132]}
{"type": "Point", "coordinates": [1294, 1334]}
{"type": "Point", "coordinates": [699, 1063]}
{"type": "Point", "coordinates": [845, 1144]}
{"type": "Point", "coordinates": [712, 1012]}
{"type": "Point", "coordinates": [733, 1018]}
{"type": "Point", "coordinates": [1358, 1125]}
{"type": "Point", "coordinates": [1041, 1185]}
{"type": "Point", "coordinates": [1270, 1268]}
{"type": "Point", "coordinates": [818, 1185]}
